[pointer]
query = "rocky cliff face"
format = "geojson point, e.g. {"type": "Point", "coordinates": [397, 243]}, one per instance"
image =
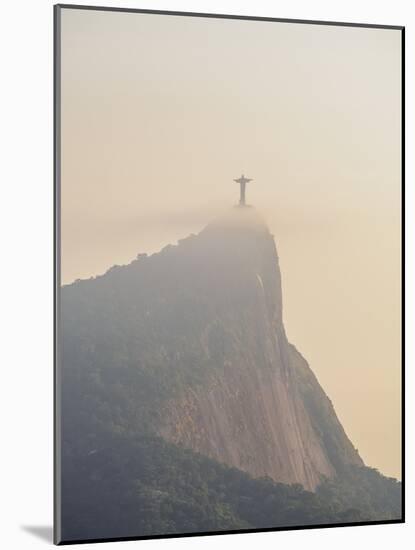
{"type": "Point", "coordinates": [254, 412]}
{"type": "Point", "coordinates": [197, 332]}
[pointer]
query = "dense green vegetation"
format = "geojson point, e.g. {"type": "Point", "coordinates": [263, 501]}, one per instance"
{"type": "Point", "coordinates": [378, 497]}
{"type": "Point", "coordinates": [145, 486]}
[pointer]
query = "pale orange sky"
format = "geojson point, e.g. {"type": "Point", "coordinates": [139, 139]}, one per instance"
{"type": "Point", "coordinates": [160, 113]}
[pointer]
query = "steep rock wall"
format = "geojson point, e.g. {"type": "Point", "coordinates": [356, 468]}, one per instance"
{"type": "Point", "coordinates": [254, 413]}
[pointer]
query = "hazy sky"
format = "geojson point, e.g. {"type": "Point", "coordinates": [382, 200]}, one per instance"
{"type": "Point", "coordinates": [160, 113]}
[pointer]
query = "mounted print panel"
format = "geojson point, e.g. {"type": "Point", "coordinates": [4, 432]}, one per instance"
{"type": "Point", "coordinates": [228, 274]}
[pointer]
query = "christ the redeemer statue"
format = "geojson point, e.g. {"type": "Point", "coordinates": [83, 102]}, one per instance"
{"type": "Point", "coordinates": [242, 182]}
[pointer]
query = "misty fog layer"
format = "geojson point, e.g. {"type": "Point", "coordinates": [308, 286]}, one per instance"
{"type": "Point", "coordinates": [160, 114]}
